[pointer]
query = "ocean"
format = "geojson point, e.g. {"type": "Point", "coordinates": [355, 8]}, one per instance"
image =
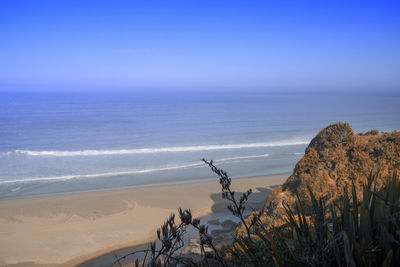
{"type": "Point", "coordinates": [55, 143]}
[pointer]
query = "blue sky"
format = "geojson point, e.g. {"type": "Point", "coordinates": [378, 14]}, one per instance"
{"type": "Point", "coordinates": [195, 45]}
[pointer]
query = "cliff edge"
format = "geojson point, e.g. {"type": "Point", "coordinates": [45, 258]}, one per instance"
{"type": "Point", "coordinates": [333, 159]}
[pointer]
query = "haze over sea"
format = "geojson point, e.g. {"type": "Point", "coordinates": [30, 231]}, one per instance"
{"type": "Point", "coordinates": [70, 142]}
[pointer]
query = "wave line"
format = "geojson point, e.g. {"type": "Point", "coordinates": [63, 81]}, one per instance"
{"type": "Point", "coordinates": [120, 173]}
{"type": "Point", "coordinates": [96, 175]}
{"type": "Point", "coordinates": [54, 153]}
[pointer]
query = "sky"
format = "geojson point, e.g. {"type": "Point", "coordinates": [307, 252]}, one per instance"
{"type": "Point", "coordinates": [195, 45]}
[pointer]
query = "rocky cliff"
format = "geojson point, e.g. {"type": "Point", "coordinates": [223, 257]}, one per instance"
{"type": "Point", "coordinates": [333, 159]}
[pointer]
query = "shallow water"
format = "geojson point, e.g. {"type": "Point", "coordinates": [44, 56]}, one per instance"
{"type": "Point", "coordinates": [58, 143]}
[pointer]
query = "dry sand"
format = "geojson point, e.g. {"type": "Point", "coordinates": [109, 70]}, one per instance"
{"type": "Point", "coordinates": [69, 229]}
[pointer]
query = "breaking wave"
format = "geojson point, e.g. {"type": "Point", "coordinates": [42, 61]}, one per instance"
{"type": "Point", "coordinates": [97, 175]}
{"type": "Point", "coordinates": [54, 153]}
{"type": "Point", "coordinates": [120, 173]}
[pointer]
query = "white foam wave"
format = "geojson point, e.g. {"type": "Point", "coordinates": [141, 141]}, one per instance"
{"type": "Point", "coordinates": [54, 153]}
{"type": "Point", "coordinates": [98, 175]}
{"type": "Point", "coordinates": [244, 157]}
{"type": "Point", "coordinates": [120, 173]}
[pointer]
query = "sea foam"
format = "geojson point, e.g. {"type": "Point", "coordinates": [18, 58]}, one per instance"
{"type": "Point", "coordinates": [129, 172]}
{"type": "Point", "coordinates": [54, 153]}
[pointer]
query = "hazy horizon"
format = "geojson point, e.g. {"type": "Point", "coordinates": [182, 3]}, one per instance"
{"type": "Point", "coordinates": [286, 46]}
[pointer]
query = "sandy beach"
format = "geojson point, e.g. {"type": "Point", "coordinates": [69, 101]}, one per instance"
{"type": "Point", "coordinates": [67, 230]}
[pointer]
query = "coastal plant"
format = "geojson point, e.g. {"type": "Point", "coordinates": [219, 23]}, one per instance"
{"type": "Point", "coordinates": [236, 207]}
{"type": "Point", "coordinates": [170, 237]}
{"type": "Point", "coordinates": [347, 232]}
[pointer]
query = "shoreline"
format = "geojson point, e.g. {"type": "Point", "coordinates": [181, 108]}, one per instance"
{"type": "Point", "coordinates": [150, 185]}
{"type": "Point", "coordinates": [71, 229]}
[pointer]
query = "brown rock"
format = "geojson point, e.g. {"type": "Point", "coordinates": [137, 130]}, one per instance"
{"type": "Point", "coordinates": [334, 158]}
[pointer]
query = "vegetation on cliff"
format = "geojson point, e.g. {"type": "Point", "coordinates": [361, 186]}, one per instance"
{"type": "Point", "coordinates": [334, 160]}
{"type": "Point", "coordinates": [347, 232]}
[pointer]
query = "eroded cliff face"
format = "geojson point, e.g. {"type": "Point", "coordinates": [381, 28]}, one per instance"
{"type": "Point", "coordinates": [334, 158]}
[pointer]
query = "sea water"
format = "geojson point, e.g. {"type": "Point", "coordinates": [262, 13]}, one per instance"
{"type": "Point", "coordinates": [53, 143]}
